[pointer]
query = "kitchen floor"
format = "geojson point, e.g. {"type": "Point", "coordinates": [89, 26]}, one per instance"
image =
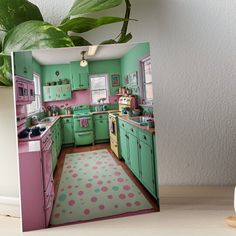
{"type": "Point", "coordinates": [71, 150]}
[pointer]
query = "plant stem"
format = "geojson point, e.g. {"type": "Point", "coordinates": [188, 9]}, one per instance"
{"type": "Point", "coordinates": [126, 23]}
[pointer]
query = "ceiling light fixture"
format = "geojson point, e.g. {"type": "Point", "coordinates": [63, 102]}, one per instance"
{"type": "Point", "coordinates": [92, 50]}
{"type": "Point", "coordinates": [83, 62]}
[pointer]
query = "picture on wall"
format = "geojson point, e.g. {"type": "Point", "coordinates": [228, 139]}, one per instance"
{"type": "Point", "coordinates": [78, 160]}
{"type": "Point", "coordinates": [133, 79]}
{"type": "Point", "coordinates": [115, 80]}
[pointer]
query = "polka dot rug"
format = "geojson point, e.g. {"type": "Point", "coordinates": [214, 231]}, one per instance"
{"type": "Point", "coordinates": [94, 186]}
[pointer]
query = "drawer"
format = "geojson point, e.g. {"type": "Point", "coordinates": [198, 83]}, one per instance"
{"type": "Point", "coordinates": [145, 137]}
{"type": "Point", "coordinates": [67, 120]}
{"type": "Point", "coordinates": [84, 138]}
{"type": "Point", "coordinates": [132, 129]}
{"type": "Point", "coordinates": [101, 116]}
{"type": "Point", "coordinates": [122, 124]}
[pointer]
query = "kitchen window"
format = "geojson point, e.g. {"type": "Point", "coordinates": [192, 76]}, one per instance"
{"type": "Point", "coordinates": [35, 106]}
{"type": "Point", "coordinates": [146, 71]}
{"type": "Point", "coordinates": [99, 88]}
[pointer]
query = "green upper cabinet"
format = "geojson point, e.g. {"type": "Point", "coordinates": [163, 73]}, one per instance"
{"type": "Point", "coordinates": [57, 93]}
{"type": "Point", "coordinates": [79, 76]}
{"type": "Point", "coordinates": [23, 64]}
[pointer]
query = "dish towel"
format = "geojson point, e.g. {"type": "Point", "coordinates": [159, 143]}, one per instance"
{"type": "Point", "coordinates": [84, 122]}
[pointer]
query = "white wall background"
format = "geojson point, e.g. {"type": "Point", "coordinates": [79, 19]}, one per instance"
{"type": "Point", "coordinates": [193, 46]}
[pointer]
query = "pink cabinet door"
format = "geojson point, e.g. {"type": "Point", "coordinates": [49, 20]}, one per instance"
{"type": "Point", "coordinates": [21, 91]}
{"type": "Point", "coordinates": [47, 163]}
{"type": "Point", "coordinates": [49, 198]}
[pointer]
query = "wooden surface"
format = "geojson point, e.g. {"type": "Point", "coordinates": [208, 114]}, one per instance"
{"type": "Point", "coordinates": [185, 211]}
{"type": "Point", "coordinates": [231, 221]}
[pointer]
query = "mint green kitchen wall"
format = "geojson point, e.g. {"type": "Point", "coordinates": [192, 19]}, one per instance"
{"type": "Point", "coordinates": [49, 73]}
{"type": "Point", "coordinates": [106, 67]}
{"type": "Point", "coordinates": [130, 61]}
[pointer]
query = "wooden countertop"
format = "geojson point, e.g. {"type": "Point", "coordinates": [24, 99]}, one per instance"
{"type": "Point", "coordinates": [146, 128]}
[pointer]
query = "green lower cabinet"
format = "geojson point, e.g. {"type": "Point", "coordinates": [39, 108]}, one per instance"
{"type": "Point", "coordinates": [124, 147]}
{"type": "Point", "coordinates": [101, 130]}
{"type": "Point", "coordinates": [134, 155]}
{"type": "Point", "coordinates": [147, 167]}
{"type": "Point", "coordinates": [67, 133]}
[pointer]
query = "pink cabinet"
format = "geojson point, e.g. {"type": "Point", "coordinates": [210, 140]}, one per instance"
{"type": "Point", "coordinates": [36, 183]}
{"type": "Point", "coordinates": [24, 91]}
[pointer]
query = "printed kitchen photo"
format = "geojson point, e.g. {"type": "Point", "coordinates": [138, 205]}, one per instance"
{"type": "Point", "coordinates": [86, 134]}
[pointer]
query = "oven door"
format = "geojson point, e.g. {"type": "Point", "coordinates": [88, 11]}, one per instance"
{"type": "Point", "coordinates": [113, 127]}
{"type": "Point", "coordinates": [21, 91]}
{"type": "Point", "coordinates": [47, 163]}
{"type": "Point", "coordinates": [31, 93]}
{"type": "Point", "coordinates": [82, 124]}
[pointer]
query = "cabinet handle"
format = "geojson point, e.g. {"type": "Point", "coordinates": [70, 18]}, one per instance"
{"type": "Point", "coordinates": [101, 121]}
{"type": "Point", "coordinates": [132, 129]}
{"type": "Point", "coordinates": [123, 125]}
{"type": "Point", "coordinates": [144, 137]}
{"type": "Point", "coordinates": [140, 146]}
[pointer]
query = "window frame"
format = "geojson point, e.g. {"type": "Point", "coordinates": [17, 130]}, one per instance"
{"type": "Point", "coordinates": [107, 87]}
{"type": "Point", "coordinates": [142, 72]}
{"type": "Point", "coordinates": [29, 114]}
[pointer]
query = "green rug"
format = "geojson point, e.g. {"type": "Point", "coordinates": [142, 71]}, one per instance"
{"type": "Point", "coordinates": [93, 186]}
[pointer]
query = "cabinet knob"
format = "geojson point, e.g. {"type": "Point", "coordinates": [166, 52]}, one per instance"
{"type": "Point", "coordinates": [144, 137]}
{"type": "Point", "coordinates": [132, 130]}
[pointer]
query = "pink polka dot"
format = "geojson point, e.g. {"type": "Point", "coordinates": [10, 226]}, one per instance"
{"type": "Point", "coordinates": [122, 196]}
{"type": "Point", "coordinates": [86, 211]}
{"type": "Point", "coordinates": [62, 189]}
{"type": "Point", "coordinates": [70, 171]}
{"type": "Point", "coordinates": [98, 162]}
{"type": "Point", "coordinates": [116, 206]}
{"type": "Point", "coordinates": [88, 185]}
{"type": "Point", "coordinates": [69, 187]}
{"type": "Point", "coordinates": [74, 175]}
{"type": "Point", "coordinates": [111, 165]}
{"type": "Point", "coordinates": [109, 181]}
{"type": "Point", "coordinates": [70, 194]}
{"type": "Point", "coordinates": [117, 173]}
{"type": "Point", "coordinates": [104, 189]}
{"type": "Point", "coordinates": [95, 176]}
{"type": "Point", "coordinates": [110, 196]}
{"type": "Point", "coordinates": [57, 215]}
{"type": "Point", "coordinates": [71, 202]}
{"type": "Point", "coordinates": [95, 167]}
{"type": "Point", "coordinates": [120, 180]}
{"type": "Point", "coordinates": [76, 186]}
{"type": "Point", "coordinates": [86, 164]}
{"type": "Point", "coordinates": [128, 204]}
{"type": "Point", "coordinates": [81, 193]}
{"type": "Point", "coordinates": [131, 195]}
{"type": "Point", "coordinates": [94, 199]}
{"type": "Point", "coordinates": [101, 207]}
{"type": "Point", "coordinates": [137, 203]}
{"type": "Point", "coordinates": [58, 205]}
{"type": "Point", "coordinates": [68, 167]}
{"type": "Point", "coordinates": [126, 187]}
{"type": "Point", "coordinates": [99, 182]}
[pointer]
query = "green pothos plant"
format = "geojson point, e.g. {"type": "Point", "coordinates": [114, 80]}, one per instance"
{"type": "Point", "coordinates": [22, 27]}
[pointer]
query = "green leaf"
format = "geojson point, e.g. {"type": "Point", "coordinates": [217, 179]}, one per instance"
{"type": "Point", "coordinates": [34, 35]}
{"type": "Point", "coordinates": [15, 12]}
{"type": "Point", "coordinates": [79, 41]}
{"type": "Point", "coordinates": [109, 41]}
{"type": "Point", "coordinates": [84, 24]}
{"type": "Point", "coordinates": [126, 38]}
{"type": "Point", "coordinates": [5, 71]}
{"type": "Point", "coordinates": [81, 7]}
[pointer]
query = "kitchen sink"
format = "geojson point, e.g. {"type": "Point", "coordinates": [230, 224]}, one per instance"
{"type": "Point", "coordinates": [141, 120]}
{"type": "Point", "coordinates": [47, 120]}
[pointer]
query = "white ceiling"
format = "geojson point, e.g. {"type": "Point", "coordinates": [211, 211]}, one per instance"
{"type": "Point", "coordinates": [66, 55]}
